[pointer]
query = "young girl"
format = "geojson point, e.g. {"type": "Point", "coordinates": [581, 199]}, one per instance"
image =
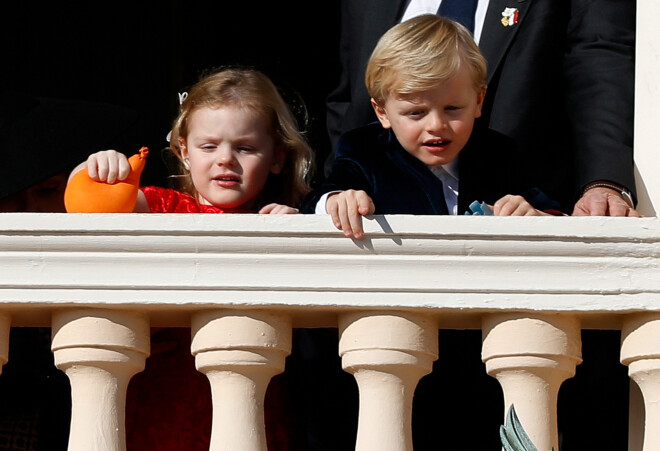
{"type": "Point", "coordinates": [239, 148]}
{"type": "Point", "coordinates": [240, 152]}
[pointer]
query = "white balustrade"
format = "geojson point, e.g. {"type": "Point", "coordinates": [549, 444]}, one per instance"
{"type": "Point", "coordinates": [5, 324]}
{"type": "Point", "coordinates": [640, 350]}
{"type": "Point", "coordinates": [387, 352]}
{"type": "Point", "coordinates": [242, 282]}
{"type": "Point", "coordinates": [239, 351]}
{"type": "Point", "coordinates": [531, 355]}
{"type": "Point", "coordinates": [99, 350]}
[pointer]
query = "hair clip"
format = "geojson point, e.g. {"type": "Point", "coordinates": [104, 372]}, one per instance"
{"type": "Point", "coordinates": [182, 97]}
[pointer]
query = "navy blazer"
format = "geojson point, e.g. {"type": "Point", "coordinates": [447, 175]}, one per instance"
{"type": "Point", "coordinates": [560, 84]}
{"type": "Point", "coordinates": [371, 159]}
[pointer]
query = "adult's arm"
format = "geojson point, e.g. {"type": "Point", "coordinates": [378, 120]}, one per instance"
{"type": "Point", "coordinates": [599, 68]}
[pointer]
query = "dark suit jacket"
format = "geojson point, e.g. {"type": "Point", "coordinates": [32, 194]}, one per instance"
{"type": "Point", "coordinates": [371, 159]}
{"type": "Point", "coordinates": [560, 83]}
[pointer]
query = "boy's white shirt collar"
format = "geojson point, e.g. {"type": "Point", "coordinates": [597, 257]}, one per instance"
{"type": "Point", "coordinates": [448, 175]}
{"type": "Point", "coordinates": [451, 168]}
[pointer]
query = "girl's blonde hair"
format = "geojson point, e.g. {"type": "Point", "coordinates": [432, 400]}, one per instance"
{"type": "Point", "coordinates": [420, 53]}
{"type": "Point", "coordinates": [251, 89]}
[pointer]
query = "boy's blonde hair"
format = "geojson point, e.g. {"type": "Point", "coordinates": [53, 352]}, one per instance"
{"type": "Point", "coordinates": [420, 53]}
{"type": "Point", "coordinates": [251, 89]}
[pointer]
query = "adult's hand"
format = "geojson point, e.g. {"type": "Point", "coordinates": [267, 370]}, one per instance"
{"type": "Point", "coordinates": [601, 201]}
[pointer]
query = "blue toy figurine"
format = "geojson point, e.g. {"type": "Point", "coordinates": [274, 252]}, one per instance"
{"type": "Point", "coordinates": [480, 208]}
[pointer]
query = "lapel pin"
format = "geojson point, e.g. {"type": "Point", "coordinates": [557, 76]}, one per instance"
{"type": "Point", "coordinates": [510, 16]}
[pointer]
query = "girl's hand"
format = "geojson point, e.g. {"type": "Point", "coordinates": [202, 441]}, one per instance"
{"type": "Point", "coordinates": [511, 205]}
{"type": "Point", "coordinates": [346, 210]}
{"type": "Point", "coordinates": [108, 166]}
{"type": "Point", "coordinates": [278, 209]}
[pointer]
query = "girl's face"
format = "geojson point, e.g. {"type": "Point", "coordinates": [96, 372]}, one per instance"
{"type": "Point", "coordinates": [230, 151]}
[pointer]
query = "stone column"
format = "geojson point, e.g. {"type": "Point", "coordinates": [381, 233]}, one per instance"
{"type": "Point", "coordinates": [100, 350]}
{"type": "Point", "coordinates": [531, 355]}
{"type": "Point", "coordinates": [388, 353]}
{"type": "Point", "coordinates": [640, 351]}
{"type": "Point", "coordinates": [5, 326]}
{"type": "Point", "coordinates": [239, 352]}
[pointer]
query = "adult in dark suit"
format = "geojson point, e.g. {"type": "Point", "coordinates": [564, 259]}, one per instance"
{"type": "Point", "coordinates": [560, 84]}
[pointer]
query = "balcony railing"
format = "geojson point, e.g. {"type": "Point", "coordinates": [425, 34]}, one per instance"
{"type": "Point", "coordinates": [243, 282]}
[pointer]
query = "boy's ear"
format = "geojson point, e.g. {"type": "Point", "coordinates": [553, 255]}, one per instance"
{"type": "Point", "coordinates": [381, 114]}
{"type": "Point", "coordinates": [279, 158]}
{"type": "Point", "coordinates": [480, 102]}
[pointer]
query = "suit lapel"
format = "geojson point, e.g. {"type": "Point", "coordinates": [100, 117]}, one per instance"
{"type": "Point", "coordinates": [400, 8]}
{"type": "Point", "coordinates": [375, 19]}
{"type": "Point", "coordinates": [496, 37]}
{"type": "Point", "coordinates": [383, 15]}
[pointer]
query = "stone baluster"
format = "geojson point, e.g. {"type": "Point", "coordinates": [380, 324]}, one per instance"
{"type": "Point", "coordinates": [531, 355]}
{"type": "Point", "coordinates": [99, 350]}
{"type": "Point", "coordinates": [5, 325]}
{"type": "Point", "coordinates": [640, 351]}
{"type": "Point", "coordinates": [388, 353]}
{"type": "Point", "coordinates": [239, 351]}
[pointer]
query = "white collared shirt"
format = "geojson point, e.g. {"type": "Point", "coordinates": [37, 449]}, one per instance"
{"type": "Point", "coordinates": [448, 175]}
{"type": "Point", "coordinates": [418, 7]}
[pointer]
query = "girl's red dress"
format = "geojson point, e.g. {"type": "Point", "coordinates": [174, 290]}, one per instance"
{"type": "Point", "coordinates": [164, 200]}
{"type": "Point", "coordinates": [168, 405]}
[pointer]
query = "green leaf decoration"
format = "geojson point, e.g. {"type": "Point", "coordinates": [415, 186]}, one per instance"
{"type": "Point", "coordinates": [513, 436]}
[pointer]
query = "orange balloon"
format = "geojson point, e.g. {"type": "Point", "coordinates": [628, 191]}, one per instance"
{"type": "Point", "coordinates": [84, 195]}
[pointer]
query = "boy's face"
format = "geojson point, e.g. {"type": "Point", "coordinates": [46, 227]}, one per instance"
{"type": "Point", "coordinates": [434, 125]}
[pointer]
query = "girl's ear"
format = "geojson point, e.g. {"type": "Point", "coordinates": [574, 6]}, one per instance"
{"type": "Point", "coordinates": [381, 114]}
{"type": "Point", "coordinates": [279, 158]}
{"type": "Point", "coordinates": [183, 149]}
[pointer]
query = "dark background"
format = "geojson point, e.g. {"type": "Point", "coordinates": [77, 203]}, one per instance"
{"type": "Point", "coordinates": [141, 54]}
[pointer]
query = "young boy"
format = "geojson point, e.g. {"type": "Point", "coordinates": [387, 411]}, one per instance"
{"type": "Point", "coordinates": [426, 78]}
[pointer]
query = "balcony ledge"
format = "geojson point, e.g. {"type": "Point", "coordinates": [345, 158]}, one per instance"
{"type": "Point", "coordinates": [452, 267]}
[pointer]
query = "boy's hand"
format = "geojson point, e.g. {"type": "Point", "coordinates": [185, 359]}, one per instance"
{"type": "Point", "coordinates": [277, 209]}
{"type": "Point", "coordinates": [108, 166]}
{"type": "Point", "coordinates": [511, 205]}
{"type": "Point", "coordinates": [347, 208]}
